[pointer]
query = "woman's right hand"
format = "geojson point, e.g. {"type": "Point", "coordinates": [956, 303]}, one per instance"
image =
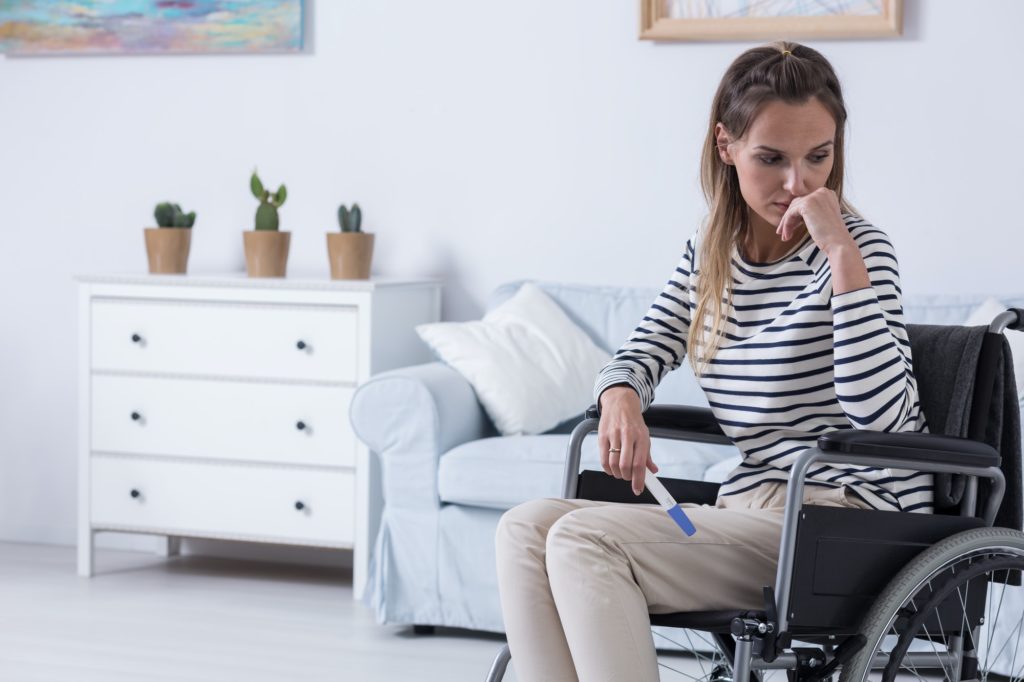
{"type": "Point", "coordinates": [622, 428]}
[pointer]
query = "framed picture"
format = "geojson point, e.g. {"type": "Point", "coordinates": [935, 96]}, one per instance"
{"type": "Point", "coordinates": [769, 19]}
{"type": "Point", "coordinates": [62, 27]}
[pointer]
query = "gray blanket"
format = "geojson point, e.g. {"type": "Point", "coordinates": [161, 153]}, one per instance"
{"type": "Point", "coordinates": [945, 365]}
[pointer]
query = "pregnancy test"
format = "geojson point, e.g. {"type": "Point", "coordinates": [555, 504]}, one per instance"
{"type": "Point", "coordinates": [668, 503]}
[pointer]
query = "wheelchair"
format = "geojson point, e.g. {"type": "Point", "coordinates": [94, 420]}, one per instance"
{"type": "Point", "coordinates": [864, 594]}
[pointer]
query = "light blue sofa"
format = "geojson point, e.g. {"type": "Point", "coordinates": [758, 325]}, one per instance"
{"type": "Point", "coordinates": [448, 476]}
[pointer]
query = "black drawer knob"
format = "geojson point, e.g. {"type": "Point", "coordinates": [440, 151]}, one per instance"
{"type": "Point", "coordinates": [301, 345]}
{"type": "Point", "coordinates": [136, 338]}
{"type": "Point", "coordinates": [300, 506]}
{"type": "Point", "coordinates": [135, 493]}
{"type": "Point", "coordinates": [300, 425]}
{"type": "Point", "coordinates": [136, 416]}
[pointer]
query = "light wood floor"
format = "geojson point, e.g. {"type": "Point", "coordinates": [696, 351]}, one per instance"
{"type": "Point", "coordinates": [193, 618]}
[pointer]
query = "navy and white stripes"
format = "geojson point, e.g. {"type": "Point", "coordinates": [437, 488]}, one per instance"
{"type": "Point", "coordinates": [795, 362]}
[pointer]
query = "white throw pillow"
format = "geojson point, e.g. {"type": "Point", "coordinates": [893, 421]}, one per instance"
{"type": "Point", "coordinates": [983, 315]}
{"type": "Point", "coordinates": [531, 367]}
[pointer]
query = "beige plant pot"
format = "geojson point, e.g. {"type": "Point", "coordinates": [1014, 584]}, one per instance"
{"type": "Point", "coordinates": [266, 252]}
{"type": "Point", "coordinates": [350, 254]}
{"type": "Point", "coordinates": [167, 249]}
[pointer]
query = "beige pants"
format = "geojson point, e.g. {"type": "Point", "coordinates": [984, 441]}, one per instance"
{"type": "Point", "coordinates": [578, 578]}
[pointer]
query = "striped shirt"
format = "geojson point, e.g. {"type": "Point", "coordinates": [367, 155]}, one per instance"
{"type": "Point", "coordinates": [796, 361]}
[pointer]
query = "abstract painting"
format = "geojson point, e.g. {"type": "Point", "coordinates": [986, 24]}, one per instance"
{"type": "Point", "coordinates": [39, 27]}
{"type": "Point", "coordinates": [769, 19]}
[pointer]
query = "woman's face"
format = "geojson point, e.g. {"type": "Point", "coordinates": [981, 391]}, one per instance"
{"type": "Point", "coordinates": [786, 153]}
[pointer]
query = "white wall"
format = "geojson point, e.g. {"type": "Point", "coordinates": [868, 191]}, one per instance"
{"type": "Point", "coordinates": [485, 142]}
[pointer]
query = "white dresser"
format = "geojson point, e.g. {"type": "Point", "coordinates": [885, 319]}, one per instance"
{"type": "Point", "coordinates": [217, 406]}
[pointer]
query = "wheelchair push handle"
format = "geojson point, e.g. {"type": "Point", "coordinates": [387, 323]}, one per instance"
{"type": "Point", "coordinates": [1011, 318]}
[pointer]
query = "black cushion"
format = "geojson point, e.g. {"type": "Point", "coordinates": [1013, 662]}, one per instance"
{"type": "Point", "coordinates": [922, 447]}
{"type": "Point", "coordinates": [597, 485]}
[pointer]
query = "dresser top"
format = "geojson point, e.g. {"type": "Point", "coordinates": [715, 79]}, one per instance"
{"type": "Point", "coordinates": [241, 280]}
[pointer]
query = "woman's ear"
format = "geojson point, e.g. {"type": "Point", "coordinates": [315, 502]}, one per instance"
{"type": "Point", "coordinates": [722, 140]}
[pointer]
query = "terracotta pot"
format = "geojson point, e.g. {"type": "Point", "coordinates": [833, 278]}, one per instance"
{"type": "Point", "coordinates": [167, 249]}
{"type": "Point", "coordinates": [266, 252]}
{"type": "Point", "coordinates": [350, 254]}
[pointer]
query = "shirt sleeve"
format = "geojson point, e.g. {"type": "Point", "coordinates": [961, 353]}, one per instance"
{"type": "Point", "coordinates": [874, 375]}
{"type": "Point", "coordinates": [658, 344]}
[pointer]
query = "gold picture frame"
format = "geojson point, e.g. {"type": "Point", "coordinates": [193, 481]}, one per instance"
{"type": "Point", "coordinates": [709, 20]}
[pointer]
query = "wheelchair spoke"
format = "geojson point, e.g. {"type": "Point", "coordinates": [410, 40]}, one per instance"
{"type": "Point", "coordinates": [964, 624]}
{"type": "Point", "coordinates": [913, 671]}
{"type": "Point", "coordinates": [713, 661]}
{"type": "Point", "coordinates": [680, 672]}
{"type": "Point", "coordinates": [913, 668]}
{"type": "Point", "coordinates": [703, 670]}
{"type": "Point", "coordinates": [988, 621]}
{"type": "Point", "coordinates": [1017, 629]}
{"type": "Point", "coordinates": [1008, 639]}
{"type": "Point", "coordinates": [931, 640]}
{"type": "Point", "coordinates": [999, 609]}
{"type": "Point", "coordinates": [922, 678]}
{"type": "Point", "coordinates": [694, 651]}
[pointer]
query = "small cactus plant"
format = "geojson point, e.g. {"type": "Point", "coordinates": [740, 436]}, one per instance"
{"type": "Point", "coordinates": [266, 213]}
{"type": "Point", "coordinates": [171, 215]}
{"type": "Point", "coordinates": [350, 219]}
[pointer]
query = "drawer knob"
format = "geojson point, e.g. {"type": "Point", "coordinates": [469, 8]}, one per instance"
{"type": "Point", "coordinates": [135, 493]}
{"type": "Point", "coordinates": [301, 345]}
{"type": "Point", "coordinates": [300, 506]}
{"type": "Point", "coordinates": [300, 425]}
{"type": "Point", "coordinates": [136, 416]}
{"type": "Point", "coordinates": [136, 338]}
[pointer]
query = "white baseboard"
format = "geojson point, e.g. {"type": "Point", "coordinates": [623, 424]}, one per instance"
{"type": "Point", "coordinates": [136, 542]}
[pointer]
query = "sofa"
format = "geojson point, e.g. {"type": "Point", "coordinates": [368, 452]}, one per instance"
{"type": "Point", "coordinates": [447, 476]}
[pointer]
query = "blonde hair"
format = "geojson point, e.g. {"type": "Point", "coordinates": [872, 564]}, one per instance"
{"type": "Point", "coordinates": [757, 77]}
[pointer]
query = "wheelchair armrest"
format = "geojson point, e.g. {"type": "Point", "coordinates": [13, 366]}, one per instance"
{"type": "Point", "coordinates": [921, 447]}
{"type": "Point", "coordinates": [678, 417]}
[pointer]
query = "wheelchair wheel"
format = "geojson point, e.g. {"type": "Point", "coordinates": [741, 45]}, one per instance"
{"type": "Point", "coordinates": [953, 613]}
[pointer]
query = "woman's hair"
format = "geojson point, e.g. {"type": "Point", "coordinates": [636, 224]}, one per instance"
{"type": "Point", "coordinates": [757, 77]}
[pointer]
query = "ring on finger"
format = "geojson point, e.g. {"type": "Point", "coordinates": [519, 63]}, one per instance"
{"type": "Point", "coordinates": [614, 450]}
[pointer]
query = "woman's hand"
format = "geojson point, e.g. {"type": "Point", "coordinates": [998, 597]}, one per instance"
{"type": "Point", "coordinates": [820, 212]}
{"type": "Point", "coordinates": [623, 438]}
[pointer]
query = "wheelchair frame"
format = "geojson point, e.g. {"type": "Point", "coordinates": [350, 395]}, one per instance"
{"type": "Point", "coordinates": [912, 451]}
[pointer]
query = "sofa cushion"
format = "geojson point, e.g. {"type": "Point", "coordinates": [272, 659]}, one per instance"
{"type": "Point", "coordinates": [501, 472]}
{"type": "Point", "coordinates": [608, 315]}
{"type": "Point", "coordinates": [530, 365]}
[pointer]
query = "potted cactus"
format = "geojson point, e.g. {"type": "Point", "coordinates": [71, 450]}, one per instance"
{"type": "Point", "coordinates": [266, 248]}
{"type": "Point", "coordinates": [167, 245]}
{"type": "Point", "coordinates": [351, 250]}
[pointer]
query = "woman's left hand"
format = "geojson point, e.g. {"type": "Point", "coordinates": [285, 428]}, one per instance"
{"type": "Point", "coordinates": [819, 211]}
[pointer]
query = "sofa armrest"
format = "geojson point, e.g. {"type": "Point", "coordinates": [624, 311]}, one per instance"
{"type": "Point", "coordinates": [918, 447]}
{"type": "Point", "coordinates": [411, 416]}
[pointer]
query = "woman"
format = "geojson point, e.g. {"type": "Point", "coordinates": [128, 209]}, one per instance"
{"type": "Point", "coordinates": [799, 305]}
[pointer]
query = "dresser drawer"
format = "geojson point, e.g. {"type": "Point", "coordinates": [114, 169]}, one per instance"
{"type": "Point", "coordinates": [305, 506]}
{"type": "Point", "coordinates": [284, 423]}
{"type": "Point", "coordinates": [255, 340]}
